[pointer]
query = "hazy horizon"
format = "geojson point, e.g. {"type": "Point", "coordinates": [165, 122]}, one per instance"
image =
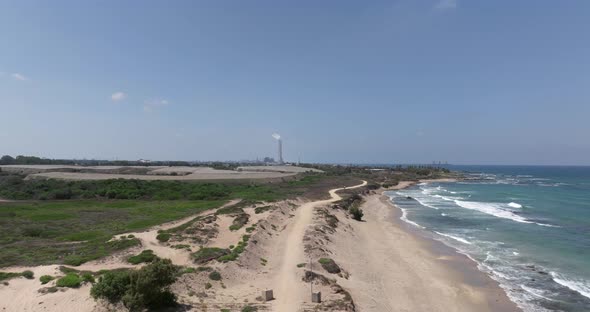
{"type": "Point", "coordinates": [467, 82]}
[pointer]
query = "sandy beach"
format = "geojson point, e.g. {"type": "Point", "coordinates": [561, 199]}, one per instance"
{"type": "Point", "coordinates": [393, 269]}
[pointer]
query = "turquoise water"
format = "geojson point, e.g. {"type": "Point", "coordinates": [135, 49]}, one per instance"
{"type": "Point", "coordinates": [527, 227]}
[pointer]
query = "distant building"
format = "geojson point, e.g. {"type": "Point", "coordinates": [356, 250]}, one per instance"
{"type": "Point", "coordinates": [144, 161]}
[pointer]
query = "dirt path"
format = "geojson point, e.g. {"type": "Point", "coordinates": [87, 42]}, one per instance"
{"type": "Point", "coordinates": [289, 289]}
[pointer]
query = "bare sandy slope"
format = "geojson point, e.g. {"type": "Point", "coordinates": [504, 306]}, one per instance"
{"type": "Point", "coordinates": [392, 269]}
{"type": "Point", "coordinates": [291, 292]}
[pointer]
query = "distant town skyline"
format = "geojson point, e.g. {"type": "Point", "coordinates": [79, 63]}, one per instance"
{"type": "Point", "coordinates": [468, 82]}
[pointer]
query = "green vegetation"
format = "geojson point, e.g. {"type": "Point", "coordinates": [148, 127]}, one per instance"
{"type": "Point", "coordinates": [329, 265]}
{"type": "Point", "coordinates": [143, 257]}
{"type": "Point", "coordinates": [187, 270]}
{"type": "Point", "coordinates": [204, 268]}
{"type": "Point", "coordinates": [236, 251]}
{"type": "Point", "coordinates": [262, 209]}
{"type": "Point", "coordinates": [301, 265]}
{"type": "Point", "coordinates": [28, 274]}
{"type": "Point", "coordinates": [88, 277]}
{"type": "Point", "coordinates": [74, 232]}
{"type": "Point", "coordinates": [9, 275]}
{"type": "Point", "coordinates": [14, 186]}
{"type": "Point", "coordinates": [208, 285]}
{"type": "Point", "coordinates": [215, 276]}
{"type": "Point", "coordinates": [239, 221]}
{"type": "Point", "coordinates": [147, 288]}
{"type": "Point", "coordinates": [207, 254]}
{"type": "Point", "coordinates": [46, 279]}
{"type": "Point", "coordinates": [71, 280]}
{"type": "Point", "coordinates": [263, 261]}
{"type": "Point", "coordinates": [356, 212]}
{"type": "Point", "coordinates": [181, 246]}
{"type": "Point", "coordinates": [163, 237]}
{"type": "Point", "coordinates": [249, 308]}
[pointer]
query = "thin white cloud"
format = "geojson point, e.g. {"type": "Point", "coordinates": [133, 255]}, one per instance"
{"type": "Point", "coordinates": [151, 104]}
{"type": "Point", "coordinates": [118, 96]}
{"type": "Point", "coordinates": [19, 77]}
{"type": "Point", "coordinates": [446, 4]}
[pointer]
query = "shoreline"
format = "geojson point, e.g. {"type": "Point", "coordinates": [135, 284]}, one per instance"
{"type": "Point", "coordinates": [463, 265]}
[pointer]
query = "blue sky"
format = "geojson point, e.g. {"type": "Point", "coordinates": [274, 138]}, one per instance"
{"type": "Point", "coordinates": [471, 82]}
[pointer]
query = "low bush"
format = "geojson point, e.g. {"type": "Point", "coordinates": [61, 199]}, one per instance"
{"type": "Point", "coordinates": [215, 276]}
{"type": "Point", "coordinates": [356, 212]}
{"type": "Point", "coordinates": [46, 279]}
{"type": "Point", "coordinates": [208, 285]}
{"type": "Point", "coordinates": [329, 265]}
{"type": "Point", "coordinates": [71, 280]}
{"type": "Point", "coordinates": [88, 277]}
{"type": "Point", "coordinates": [163, 237]}
{"type": "Point", "coordinates": [143, 257]}
{"type": "Point", "coordinates": [147, 288]}
{"type": "Point", "coordinates": [28, 274]}
{"type": "Point", "coordinates": [262, 209]}
{"type": "Point", "coordinates": [207, 254]}
{"type": "Point", "coordinates": [249, 308]}
{"type": "Point", "coordinates": [9, 275]}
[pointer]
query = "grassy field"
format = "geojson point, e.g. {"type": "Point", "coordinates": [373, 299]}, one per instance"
{"type": "Point", "coordinates": [74, 232]}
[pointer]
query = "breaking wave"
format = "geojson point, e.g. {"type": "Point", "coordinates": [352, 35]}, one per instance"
{"type": "Point", "coordinates": [582, 287]}
{"type": "Point", "coordinates": [493, 209]}
{"type": "Point", "coordinates": [459, 239]}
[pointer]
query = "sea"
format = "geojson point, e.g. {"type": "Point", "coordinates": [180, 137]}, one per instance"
{"type": "Point", "coordinates": [527, 227]}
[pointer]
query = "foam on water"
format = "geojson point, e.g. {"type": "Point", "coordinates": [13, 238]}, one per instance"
{"type": "Point", "coordinates": [580, 286]}
{"type": "Point", "coordinates": [493, 209]}
{"type": "Point", "coordinates": [535, 292]}
{"type": "Point", "coordinates": [425, 204]}
{"type": "Point", "coordinates": [514, 205]}
{"type": "Point", "coordinates": [404, 218]}
{"type": "Point", "coordinates": [459, 239]}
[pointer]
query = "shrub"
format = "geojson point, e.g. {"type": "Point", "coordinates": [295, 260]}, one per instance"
{"type": "Point", "coordinates": [147, 288]}
{"type": "Point", "coordinates": [143, 257]}
{"type": "Point", "coordinates": [163, 237]}
{"type": "Point", "coordinates": [46, 279]}
{"type": "Point", "coordinates": [188, 270]}
{"type": "Point", "coordinates": [71, 280]}
{"type": "Point", "coordinates": [28, 274]}
{"type": "Point", "coordinates": [87, 277]}
{"type": "Point", "coordinates": [207, 254]}
{"type": "Point", "coordinates": [111, 286]}
{"type": "Point", "coordinates": [262, 209]}
{"type": "Point", "coordinates": [357, 213]}
{"type": "Point", "coordinates": [130, 236]}
{"type": "Point", "coordinates": [329, 265]}
{"type": "Point", "coordinates": [8, 275]}
{"type": "Point", "coordinates": [249, 309]}
{"type": "Point", "coordinates": [216, 276]}
{"type": "Point", "coordinates": [208, 285]}
{"type": "Point", "coordinates": [74, 260]}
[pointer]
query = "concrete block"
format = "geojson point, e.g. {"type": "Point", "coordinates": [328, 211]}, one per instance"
{"type": "Point", "coordinates": [316, 297]}
{"type": "Point", "coordinates": [267, 295]}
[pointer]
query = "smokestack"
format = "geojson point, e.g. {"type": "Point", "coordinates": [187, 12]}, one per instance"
{"type": "Point", "coordinates": [278, 138]}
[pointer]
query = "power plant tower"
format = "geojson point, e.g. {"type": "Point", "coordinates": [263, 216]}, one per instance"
{"type": "Point", "coordinates": [278, 138]}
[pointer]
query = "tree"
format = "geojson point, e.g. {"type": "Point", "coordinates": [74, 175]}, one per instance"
{"type": "Point", "coordinates": [7, 160]}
